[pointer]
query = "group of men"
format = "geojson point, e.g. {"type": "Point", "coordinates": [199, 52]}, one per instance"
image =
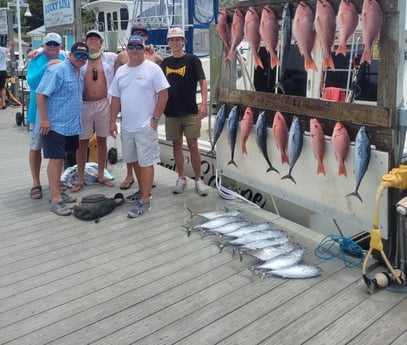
{"type": "Point", "coordinates": [77, 94]}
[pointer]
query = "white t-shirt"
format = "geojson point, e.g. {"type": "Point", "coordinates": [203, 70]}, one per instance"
{"type": "Point", "coordinates": [3, 53]}
{"type": "Point", "coordinates": [137, 87]}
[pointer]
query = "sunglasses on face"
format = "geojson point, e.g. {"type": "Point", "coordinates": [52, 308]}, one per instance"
{"type": "Point", "coordinates": [136, 47]}
{"type": "Point", "coordinates": [94, 74]}
{"type": "Point", "coordinates": [52, 44]}
{"type": "Point", "coordinates": [81, 56]}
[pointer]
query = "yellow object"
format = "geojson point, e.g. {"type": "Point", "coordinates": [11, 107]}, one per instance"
{"type": "Point", "coordinates": [93, 148]}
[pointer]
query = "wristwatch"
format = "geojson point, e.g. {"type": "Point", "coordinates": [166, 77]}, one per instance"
{"type": "Point", "coordinates": [156, 119]}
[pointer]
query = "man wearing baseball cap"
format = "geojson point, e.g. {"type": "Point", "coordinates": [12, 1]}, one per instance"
{"type": "Point", "coordinates": [99, 71]}
{"type": "Point", "coordinates": [59, 100]}
{"type": "Point", "coordinates": [182, 116]}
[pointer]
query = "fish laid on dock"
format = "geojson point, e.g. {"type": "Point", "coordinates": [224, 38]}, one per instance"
{"type": "Point", "coordinates": [215, 214]}
{"type": "Point", "coordinates": [299, 271]}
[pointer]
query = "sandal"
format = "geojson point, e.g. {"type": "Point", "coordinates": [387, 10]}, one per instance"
{"type": "Point", "coordinates": [126, 184]}
{"type": "Point", "coordinates": [36, 192]}
{"type": "Point", "coordinates": [105, 182]}
{"type": "Point", "coordinates": [77, 187]}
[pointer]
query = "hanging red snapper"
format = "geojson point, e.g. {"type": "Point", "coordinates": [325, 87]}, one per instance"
{"type": "Point", "coordinates": [223, 29]}
{"type": "Point", "coordinates": [340, 141]}
{"type": "Point", "coordinates": [269, 33]}
{"type": "Point", "coordinates": [246, 125]}
{"type": "Point", "coordinates": [303, 31]}
{"type": "Point", "coordinates": [251, 32]}
{"type": "Point", "coordinates": [372, 20]}
{"type": "Point", "coordinates": [346, 22]}
{"type": "Point", "coordinates": [318, 144]}
{"type": "Point", "coordinates": [237, 32]}
{"type": "Point", "coordinates": [280, 133]}
{"type": "Point", "coordinates": [325, 28]}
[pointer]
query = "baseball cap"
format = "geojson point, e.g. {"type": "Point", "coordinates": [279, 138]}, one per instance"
{"type": "Point", "coordinates": [136, 40]}
{"type": "Point", "coordinates": [79, 47]}
{"type": "Point", "coordinates": [138, 27]}
{"type": "Point", "coordinates": [53, 37]}
{"type": "Point", "coordinates": [93, 33]}
{"type": "Point", "coordinates": [175, 32]}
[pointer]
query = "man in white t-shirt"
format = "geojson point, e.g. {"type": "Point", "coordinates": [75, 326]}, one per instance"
{"type": "Point", "coordinates": [140, 92]}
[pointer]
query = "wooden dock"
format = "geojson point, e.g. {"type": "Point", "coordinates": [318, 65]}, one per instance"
{"type": "Point", "coordinates": [143, 281]}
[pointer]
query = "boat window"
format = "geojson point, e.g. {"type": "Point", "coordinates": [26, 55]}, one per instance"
{"type": "Point", "coordinates": [115, 20]}
{"type": "Point", "coordinates": [204, 12]}
{"type": "Point", "coordinates": [101, 21]}
{"type": "Point", "coordinates": [109, 22]}
{"type": "Point", "coordinates": [124, 18]}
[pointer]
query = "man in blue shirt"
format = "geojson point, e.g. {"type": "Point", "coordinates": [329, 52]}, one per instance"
{"type": "Point", "coordinates": [59, 100]}
{"type": "Point", "coordinates": [49, 56]}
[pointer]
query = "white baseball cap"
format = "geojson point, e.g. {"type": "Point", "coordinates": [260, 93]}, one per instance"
{"type": "Point", "coordinates": [175, 32]}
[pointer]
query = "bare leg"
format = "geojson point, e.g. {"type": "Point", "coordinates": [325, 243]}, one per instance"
{"type": "Point", "coordinates": [3, 97]}
{"type": "Point", "coordinates": [35, 159]}
{"type": "Point", "coordinates": [146, 181]}
{"type": "Point", "coordinates": [54, 171]}
{"type": "Point", "coordinates": [102, 154]}
{"type": "Point", "coordinates": [178, 157]}
{"type": "Point", "coordinates": [195, 157]}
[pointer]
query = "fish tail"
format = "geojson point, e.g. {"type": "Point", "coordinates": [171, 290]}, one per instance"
{"type": "Point", "coordinates": [321, 169]}
{"type": "Point", "coordinates": [271, 168]}
{"type": "Point", "coordinates": [257, 61]}
{"type": "Point", "coordinates": [366, 56]}
{"type": "Point", "coordinates": [289, 177]}
{"type": "Point", "coordinates": [310, 64]}
{"type": "Point", "coordinates": [341, 49]}
{"type": "Point", "coordinates": [244, 150]}
{"type": "Point", "coordinates": [342, 170]}
{"type": "Point", "coordinates": [232, 162]}
{"type": "Point", "coordinates": [329, 62]}
{"type": "Point", "coordinates": [284, 158]}
{"type": "Point", "coordinates": [188, 230]}
{"type": "Point", "coordinates": [356, 194]}
{"type": "Point", "coordinates": [231, 54]}
{"type": "Point", "coordinates": [274, 61]}
{"type": "Point", "coordinates": [192, 214]}
{"type": "Point", "coordinates": [279, 86]}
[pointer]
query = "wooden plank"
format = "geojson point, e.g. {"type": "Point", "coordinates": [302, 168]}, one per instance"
{"type": "Point", "coordinates": [338, 111]}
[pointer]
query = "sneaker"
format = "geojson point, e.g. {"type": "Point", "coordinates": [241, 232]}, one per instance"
{"type": "Point", "coordinates": [65, 198]}
{"type": "Point", "coordinates": [60, 209]}
{"type": "Point", "coordinates": [139, 210]}
{"type": "Point", "coordinates": [134, 197]}
{"type": "Point", "coordinates": [201, 188]}
{"type": "Point", "coordinates": [180, 185]}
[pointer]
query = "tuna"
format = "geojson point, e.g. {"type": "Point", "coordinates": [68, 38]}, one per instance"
{"type": "Point", "coordinates": [269, 33]}
{"type": "Point", "coordinates": [346, 22]}
{"type": "Point", "coordinates": [295, 141]}
{"type": "Point", "coordinates": [318, 144]}
{"type": "Point", "coordinates": [340, 141]}
{"type": "Point", "coordinates": [325, 28]}
{"type": "Point", "coordinates": [285, 41]}
{"type": "Point", "coordinates": [215, 214]}
{"type": "Point", "coordinates": [372, 21]}
{"type": "Point", "coordinates": [303, 31]}
{"type": "Point", "coordinates": [237, 33]}
{"type": "Point", "coordinates": [246, 126]}
{"type": "Point", "coordinates": [269, 253]}
{"type": "Point", "coordinates": [361, 159]}
{"type": "Point", "coordinates": [257, 235]}
{"type": "Point", "coordinates": [261, 139]}
{"type": "Point", "coordinates": [251, 32]}
{"type": "Point", "coordinates": [298, 271]}
{"type": "Point", "coordinates": [233, 123]}
{"type": "Point", "coordinates": [212, 223]}
{"type": "Point", "coordinates": [219, 124]}
{"type": "Point", "coordinates": [284, 260]}
{"type": "Point", "coordinates": [280, 133]}
{"type": "Point", "coordinates": [223, 29]}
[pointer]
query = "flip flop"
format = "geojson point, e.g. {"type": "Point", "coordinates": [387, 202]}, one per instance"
{"type": "Point", "coordinates": [77, 187]}
{"type": "Point", "coordinates": [126, 184]}
{"type": "Point", "coordinates": [36, 192]}
{"type": "Point", "coordinates": [105, 182]}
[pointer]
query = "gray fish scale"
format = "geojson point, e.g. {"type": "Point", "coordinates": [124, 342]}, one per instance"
{"type": "Point", "coordinates": [251, 228]}
{"type": "Point", "coordinates": [259, 235]}
{"type": "Point", "coordinates": [261, 139]}
{"type": "Point", "coordinates": [269, 253]}
{"type": "Point", "coordinates": [219, 124]}
{"type": "Point", "coordinates": [295, 143]}
{"type": "Point", "coordinates": [233, 123]}
{"type": "Point", "coordinates": [284, 260]}
{"type": "Point", "coordinates": [216, 222]}
{"type": "Point", "coordinates": [299, 271]}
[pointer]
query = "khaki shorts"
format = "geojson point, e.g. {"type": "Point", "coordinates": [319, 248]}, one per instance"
{"type": "Point", "coordinates": [176, 127]}
{"type": "Point", "coordinates": [95, 118]}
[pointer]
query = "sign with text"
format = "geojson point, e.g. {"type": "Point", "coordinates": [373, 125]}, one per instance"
{"type": "Point", "coordinates": [58, 12]}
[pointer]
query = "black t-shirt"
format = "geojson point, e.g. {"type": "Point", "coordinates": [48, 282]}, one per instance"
{"type": "Point", "coordinates": [183, 74]}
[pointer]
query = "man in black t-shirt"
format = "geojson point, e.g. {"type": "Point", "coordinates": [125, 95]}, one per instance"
{"type": "Point", "coordinates": [182, 115]}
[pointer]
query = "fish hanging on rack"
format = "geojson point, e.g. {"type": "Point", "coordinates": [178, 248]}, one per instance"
{"type": "Point", "coordinates": [237, 33]}
{"type": "Point", "coordinates": [303, 31]}
{"type": "Point", "coordinates": [219, 124]}
{"type": "Point", "coordinates": [361, 159]}
{"type": "Point", "coordinates": [346, 22]}
{"type": "Point", "coordinates": [318, 144]}
{"type": "Point", "coordinates": [246, 126]}
{"type": "Point", "coordinates": [295, 141]}
{"type": "Point", "coordinates": [280, 133]}
{"type": "Point", "coordinates": [261, 139]}
{"type": "Point", "coordinates": [340, 141]}
{"type": "Point", "coordinates": [325, 28]}
{"type": "Point", "coordinates": [233, 123]}
{"type": "Point", "coordinates": [223, 29]}
{"type": "Point", "coordinates": [269, 34]}
{"type": "Point", "coordinates": [252, 34]}
{"type": "Point", "coordinates": [372, 21]}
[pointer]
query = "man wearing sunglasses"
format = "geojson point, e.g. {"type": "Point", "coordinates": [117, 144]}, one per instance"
{"type": "Point", "coordinates": [59, 100]}
{"type": "Point", "coordinates": [140, 91]}
{"type": "Point", "coordinates": [137, 29]}
{"type": "Point", "coordinates": [50, 55]}
{"type": "Point", "coordinates": [99, 71]}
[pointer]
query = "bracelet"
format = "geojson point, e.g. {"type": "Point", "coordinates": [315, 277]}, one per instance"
{"type": "Point", "coordinates": [156, 119]}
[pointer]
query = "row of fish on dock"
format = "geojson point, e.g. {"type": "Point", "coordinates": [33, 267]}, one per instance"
{"type": "Point", "coordinates": [290, 141]}
{"type": "Point", "coordinates": [306, 27]}
{"type": "Point", "coordinates": [275, 252]}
